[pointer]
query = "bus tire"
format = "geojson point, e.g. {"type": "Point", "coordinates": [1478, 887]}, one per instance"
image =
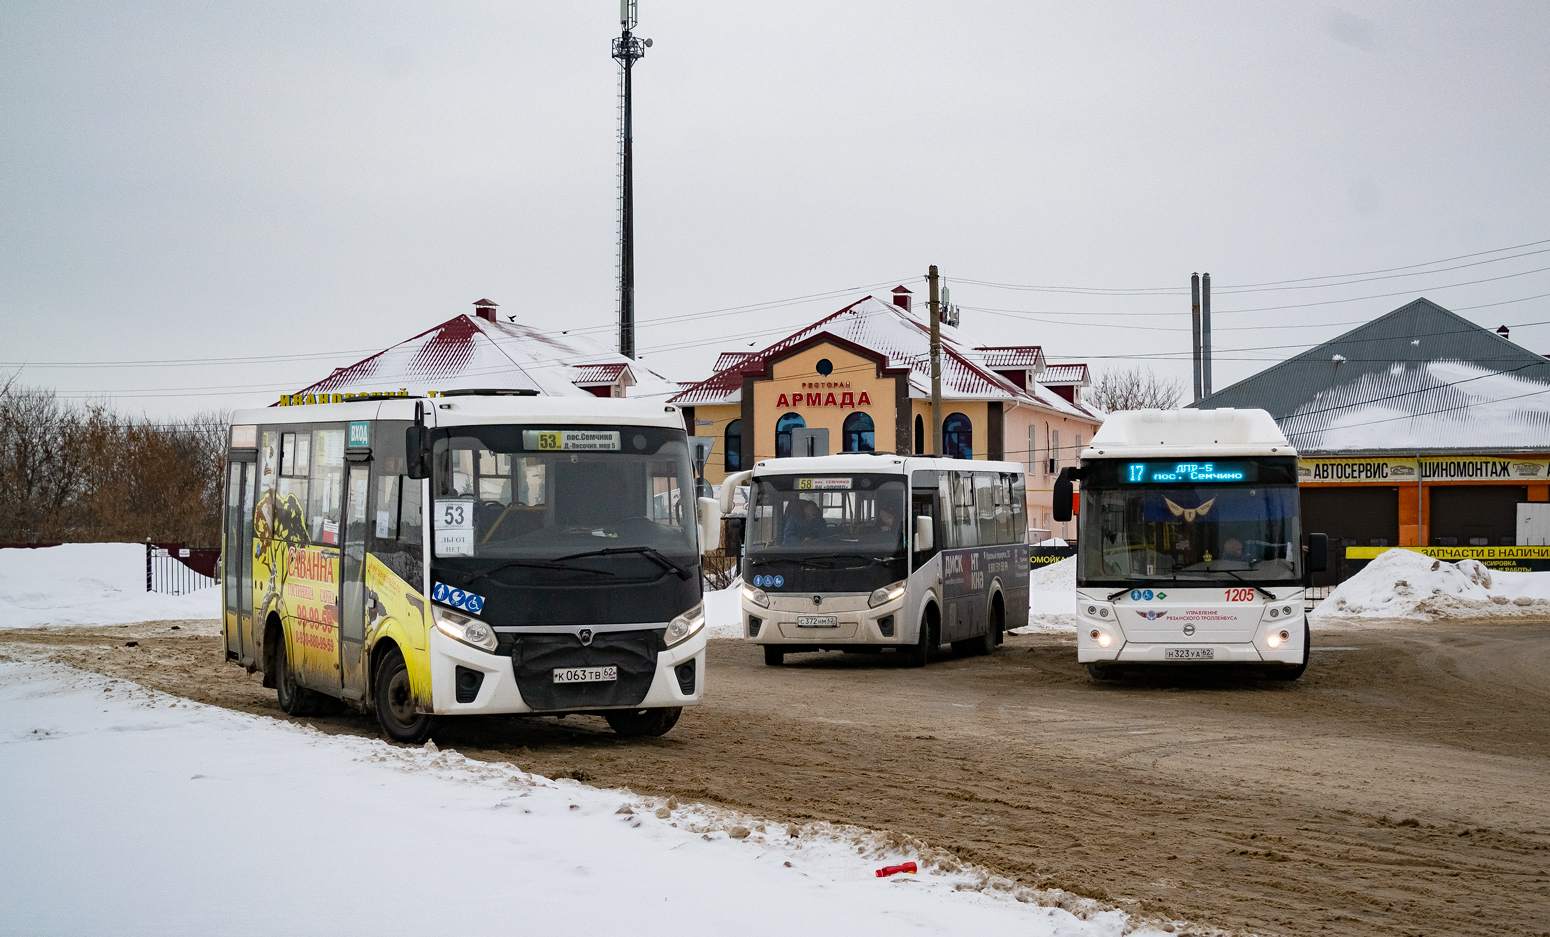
{"type": "Point", "coordinates": [1293, 671]}
{"type": "Point", "coordinates": [294, 699]}
{"type": "Point", "coordinates": [919, 654]}
{"type": "Point", "coordinates": [638, 723]}
{"type": "Point", "coordinates": [395, 702]}
{"type": "Point", "coordinates": [1101, 672]}
{"type": "Point", "coordinates": [774, 655]}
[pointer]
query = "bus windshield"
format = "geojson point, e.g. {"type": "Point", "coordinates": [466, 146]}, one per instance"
{"type": "Point", "coordinates": [828, 533]}
{"type": "Point", "coordinates": [1191, 522]}
{"type": "Point", "coordinates": [547, 493]}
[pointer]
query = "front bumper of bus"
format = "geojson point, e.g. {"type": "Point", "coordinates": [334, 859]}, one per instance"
{"type": "Point", "coordinates": [790, 620]}
{"type": "Point", "coordinates": [498, 691]}
{"type": "Point", "coordinates": [1101, 638]}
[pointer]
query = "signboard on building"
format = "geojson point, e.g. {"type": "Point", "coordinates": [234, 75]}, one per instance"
{"type": "Point", "coordinates": [1398, 471]}
{"type": "Point", "coordinates": [1509, 559]}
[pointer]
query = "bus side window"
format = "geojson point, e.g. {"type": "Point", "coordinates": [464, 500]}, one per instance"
{"type": "Point", "coordinates": [397, 529]}
{"type": "Point", "coordinates": [987, 507]}
{"type": "Point", "coordinates": [327, 485]}
{"type": "Point", "coordinates": [289, 522]}
{"type": "Point", "coordinates": [965, 526]}
{"type": "Point", "coordinates": [1017, 496]}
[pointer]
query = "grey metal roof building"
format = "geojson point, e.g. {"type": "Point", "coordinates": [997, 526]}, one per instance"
{"type": "Point", "coordinates": [1418, 380]}
{"type": "Point", "coordinates": [1418, 429]}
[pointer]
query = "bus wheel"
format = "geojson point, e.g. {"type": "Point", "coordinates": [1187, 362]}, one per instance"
{"type": "Point", "coordinates": [774, 656]}
{"type": "Point", "coordinates": [920, 653]}
{"type": "Point", "coordinates": [635, 723]}
{"type": "Point", "coordinates": [395, 703]}
{"type": "Point", "coordinates": [1293, 671]}
{"type": "Point", "coordinates": [1100, 672]}
{"type": "Point", "coordinates": [294, 699]}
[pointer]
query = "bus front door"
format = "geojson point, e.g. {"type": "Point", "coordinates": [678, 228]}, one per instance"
{"type": "Point", "coordinates": [237, 562]}
{"type": "Point", "coordinates": [352, 587]}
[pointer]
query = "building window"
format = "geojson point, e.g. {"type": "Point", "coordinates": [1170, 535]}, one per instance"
{"type": "Point", "coordinates": [1054, 451]}
{"type": "Point", "coordinates": [957, 437]}
{"type": "Point", "coordinates": [857, 433]}
{"type": "Point", "coordinates": [1033, 447]}
{"type": "Point", "coordinates": [783, 429]}
{"type": "Point", "coordinates": [920, 435]}
{"type": "Point", "coordinates": [733, 443]}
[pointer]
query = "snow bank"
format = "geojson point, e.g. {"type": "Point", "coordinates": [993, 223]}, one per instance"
{"type": "Point", "coordinates": [89, 584]}
{"type": "Point", "coordinates": [724, 611]}
{"type": "Point", "coordinates": [1404, 584]}
{"type": "Point", "coordinates": [1052, 597]}
{"type": "Point", "coordinates": [126, 812]}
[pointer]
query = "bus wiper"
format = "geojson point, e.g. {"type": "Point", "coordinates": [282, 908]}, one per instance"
{"type": "Point", "coordinates": [1141, 582]}
{"type": "Point", "coordinates": [1261, 589]}
{"type": "Point", "coordinates": [811, 562]}
{"type": "Point", "coordinates": [531, 564]}
{"type": "Point", "coordinates": [650, 553]}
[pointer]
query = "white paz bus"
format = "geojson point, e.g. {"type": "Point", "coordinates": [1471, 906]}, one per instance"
{"type": "Point", "coordinates": [1189, 547]}
{"type": "Point", "coordinates": [472, 552]}
{"type": "Point", "coordinates": [864, 551]}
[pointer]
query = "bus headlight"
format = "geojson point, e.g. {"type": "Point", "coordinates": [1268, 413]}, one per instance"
{"type": "Point", "coordinates": [1102, 637]}
{"type": "Point", "coordinates": [756, 596]}
{"type": "Point", "coordinates": [685, 626]}
{"type": "Point", "coordinates": [1276, 637]}
{"type": "Point", "coordinates": [886, 594]}
{"type": "Point", "coordinates": [470, 631]}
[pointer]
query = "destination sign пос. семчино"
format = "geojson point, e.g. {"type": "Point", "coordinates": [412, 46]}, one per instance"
{"type": "Point", "coordinates": [1194, 473]}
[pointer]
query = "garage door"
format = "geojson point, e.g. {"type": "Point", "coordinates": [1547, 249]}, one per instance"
{"type": "Point", "coordinates": [1352, 517]}
{"type": "Point", "coordinates": [1475, 515]}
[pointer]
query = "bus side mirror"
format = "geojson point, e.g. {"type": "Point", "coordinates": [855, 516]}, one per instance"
{"type": "Point", "coordinates": [1318, 553]}
{"type": "Point", "coordinates": [728, 492]}
{"type": "Point", "coordinates": [925, 538]}
{"type": "Point", "coordinates": [417, 452]}
{"type": "Point", "coordinates": [1061, 510]}
{"type": "Point", "coordinates": [710, 525]}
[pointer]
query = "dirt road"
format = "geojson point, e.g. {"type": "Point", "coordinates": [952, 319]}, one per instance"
{"type": "Point", "coordinates": [1399, 788]}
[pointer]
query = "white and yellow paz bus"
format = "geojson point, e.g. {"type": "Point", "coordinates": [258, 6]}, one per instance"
{"type": "Point", "coordinates": [474, 552]}
{"type": "Point", "coordinates": [861, 552]}
{"type": "Point", "coordinates": [1190, 548]}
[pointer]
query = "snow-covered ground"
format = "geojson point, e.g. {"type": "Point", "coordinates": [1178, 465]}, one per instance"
{"type": "Point", "coordinates": [89, 584]}
{"type": "Point", "coordinates": [128, 811]}
{"type": "Point", "coordinates": [1403, 584]}
{"type": "Point", "coordinates": [1052, 597]}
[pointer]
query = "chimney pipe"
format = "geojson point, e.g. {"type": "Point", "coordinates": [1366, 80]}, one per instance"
{"type": "Point", "coordinates": [901, 298]}
{"type": "Point", "coordinates": [485, 309]}
{"type": "Point", "coordinates": [1504, 332]}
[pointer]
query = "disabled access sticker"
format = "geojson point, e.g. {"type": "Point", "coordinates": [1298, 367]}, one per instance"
{"type": "Point", "coordinates": [457, 598]}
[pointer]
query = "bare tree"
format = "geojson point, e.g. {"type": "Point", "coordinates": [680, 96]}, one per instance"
{"type": "Point", "coordinates": [79, 472]}
{"type": "Point", "coordinates": [1134, 388]}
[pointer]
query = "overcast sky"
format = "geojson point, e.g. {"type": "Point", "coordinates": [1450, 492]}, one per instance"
{"type": "Point", "coordinates": [233, 180]}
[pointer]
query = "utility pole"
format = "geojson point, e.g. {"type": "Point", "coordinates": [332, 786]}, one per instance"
{"type": "Point", "coordinates": [1205, 334]}
{"type": "Point", "coordinates": [1194, 319]}
{"type": "Point", "coordinates": [627, 50]}
{"type": "Point", "coordinates": [936, 364]}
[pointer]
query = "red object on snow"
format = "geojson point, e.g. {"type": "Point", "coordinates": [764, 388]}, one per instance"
{"type": "Point", "coordinates": [888, 870]}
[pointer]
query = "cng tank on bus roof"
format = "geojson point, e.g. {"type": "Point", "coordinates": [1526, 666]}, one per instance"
{"type": "Point", "coordinates": [1223, 432]}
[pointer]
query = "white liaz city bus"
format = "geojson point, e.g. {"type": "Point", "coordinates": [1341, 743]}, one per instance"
{"type": "Point", "coordinates": [1189, 547]}
{"type": "Point", "coordinates": [471, 552]}
{"type": "Point", "coordinates": [831, 563]}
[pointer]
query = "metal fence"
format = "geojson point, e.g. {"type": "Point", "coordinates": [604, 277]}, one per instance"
{"type": "Point", "coordinates": [173, 569]}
